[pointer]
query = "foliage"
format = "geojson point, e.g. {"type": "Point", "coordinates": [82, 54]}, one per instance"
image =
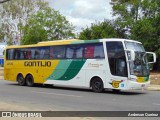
{"type": "Point", "coordinates": [1, 35]}
{"type": "Point", "coordinates": [46, 25]}
{"type": "Point", "coordinates": [105, 29]}
{"type": "Point", "coordinates": [14, 15]}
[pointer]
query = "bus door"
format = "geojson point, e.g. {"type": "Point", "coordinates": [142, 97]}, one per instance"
{"type": "Point", "coordinates": [117, 65]}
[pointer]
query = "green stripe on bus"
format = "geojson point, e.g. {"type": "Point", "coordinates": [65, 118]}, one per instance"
{"type": "Point", "coordinates": [73, 70]}
{"type": "Point", "coordinates": [85, 41]}
{"type": "Point", "coordinates": [146, 79]}
{"type": "Point", "coordinates": [60, 70]}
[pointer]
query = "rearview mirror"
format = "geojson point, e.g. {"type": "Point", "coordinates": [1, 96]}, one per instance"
{"type": "Point", "coordinates": [151, 56]}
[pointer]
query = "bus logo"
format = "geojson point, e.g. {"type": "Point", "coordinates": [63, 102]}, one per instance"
{"type": "Point", "coordinates": [115, 83]}
{"type": "Point", "coordinates": [37, 63]}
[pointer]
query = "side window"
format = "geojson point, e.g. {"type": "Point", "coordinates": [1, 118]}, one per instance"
{"type": "Point", "coordinates": [17, 54]}
{"type": "Point", "coordinates": [33, 51]}
{"type": "Point", "coordinates": [37, 53]}
{"type": "Point", "coordinates": [57, 52]}
{"type": "Point", "coordinates": [42, 52]}
{"type": "Point", "coordinates": [46, 53]}
{"type": "Point", "coordinates": [89, 51]}
{"type": "Point", "coordinates": [10, 54]}
{"type": "Point", "coordinates": [28, 54]}
{"type": "Point", "coordinates": [79, 52]}
{"type": "Point", "coordinates": [69, 52]}
{"type": "Point", "coordinates": [74, 52]}
{"type": "Point", "coordinates": [94, 51]}
{"type": "Point", "coordinates": [116, 58]}
{"type": "Point", "coordinates": [98, 51]}
{"type": "Point", "coordinates": [22, 54]}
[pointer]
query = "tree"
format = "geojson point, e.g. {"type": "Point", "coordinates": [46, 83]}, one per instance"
{"type": "Point", "coordinates": [148, 32]}
{"type": "Point", "coordinates": [3, 1]}
{"type": "Point", "coordinates": [46, 25]}
{"type": "Point", "coordinates": [14, 15]}
{"type": "Point", "coordinates": [127, 13]}
{"type": "Point", "coordinates": [105, 29]}
{"type": "Point", "coordinates": [1, 34]}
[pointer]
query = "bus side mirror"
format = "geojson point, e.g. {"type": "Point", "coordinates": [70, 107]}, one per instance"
{"type": "Point", "coordinates": [130, 54]}
{"type": "Point", "coordinates": [152, 55]}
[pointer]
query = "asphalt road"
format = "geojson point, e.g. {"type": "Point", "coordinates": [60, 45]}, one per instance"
{"type": "Point", "coordinates": [71, 99]}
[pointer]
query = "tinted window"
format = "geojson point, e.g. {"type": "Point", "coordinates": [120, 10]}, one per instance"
{"type": "Point", "coordinates": [10, 54]}
{"type": "Point", "coordinates": [98, 51]}
{"type": "Point", "coordinates": [57, 52]}
{"type": "Point", "coordinates": [89, 51]}
{"type": "Point", "coordinates": [43, 52]}
{"type": "Point", "coordinates": [25, 54]}
{"type": "Point", "coordinates": [74, 52]}
{"type": "Point", "coordinates": [16, 54]}
{"type": "Point", "coordinates": [116, 58]}
{"type": "Point", "coordinates": [79, 51]}
{"type": "Point", "coordinates": [93, 51]}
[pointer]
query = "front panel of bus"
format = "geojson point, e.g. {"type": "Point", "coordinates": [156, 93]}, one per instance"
{"type": "Point", "coordinates": [124, 73]}
{"type": "Point", "coordinates": [139, 70]}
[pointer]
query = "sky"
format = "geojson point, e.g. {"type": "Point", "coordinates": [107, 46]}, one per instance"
{"type": "Point", "coordinates": [81, 13]}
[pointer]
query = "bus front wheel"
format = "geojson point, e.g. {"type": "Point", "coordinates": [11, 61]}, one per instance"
{"type": "Point", "coordinates": [29, 80]}
{"type": "Point", "coordinates": [97, 85]}
{"type": "Point", "coordinates": [21, 81]}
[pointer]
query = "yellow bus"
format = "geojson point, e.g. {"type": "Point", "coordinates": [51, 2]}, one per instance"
{"type": "Point", "coordinates": [117, 64]}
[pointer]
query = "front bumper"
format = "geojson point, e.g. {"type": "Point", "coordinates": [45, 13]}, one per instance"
{"type": "Point", "coordinates": [136, 85]}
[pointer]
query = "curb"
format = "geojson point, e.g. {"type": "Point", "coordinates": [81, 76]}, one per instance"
{"type": "Point", "coordinates": [154, 87]}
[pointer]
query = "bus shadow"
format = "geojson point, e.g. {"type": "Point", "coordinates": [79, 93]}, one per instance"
{"type": "Point", "coordinates": [125, 92]}
{"type": "Point", "coordinates": [107, 91]}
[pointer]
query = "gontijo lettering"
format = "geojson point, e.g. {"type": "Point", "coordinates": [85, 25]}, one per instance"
{"type": "Point", "coordinates": [37, 63]}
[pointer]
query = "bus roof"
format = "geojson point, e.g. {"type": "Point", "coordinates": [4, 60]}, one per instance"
{"type": "Point", "coordinates": [58, 41]}
{"type": "Point", "coordinates": [71, 41]}
{"type": "Point", "coordinates": [120, 39]}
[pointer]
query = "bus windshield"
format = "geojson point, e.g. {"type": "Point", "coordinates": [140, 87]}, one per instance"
{"type": "Point", "coordinates": [139, 67]}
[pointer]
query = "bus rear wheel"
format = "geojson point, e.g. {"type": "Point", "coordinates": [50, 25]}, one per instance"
{"type": "Point", "coordinates": [21, 81]}
{"type": "Point", "coordinates": [97, 85]}
{"type": "Point", "coordinates": [29, 80]}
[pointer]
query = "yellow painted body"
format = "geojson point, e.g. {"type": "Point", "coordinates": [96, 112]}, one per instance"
{"type": "Point", "coordinates": [13, 68]}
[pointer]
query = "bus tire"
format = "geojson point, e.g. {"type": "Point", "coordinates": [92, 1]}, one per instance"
{"type": "Point", "coordinates": [21, 81]}
{"type": "Point", "coordinates": [29, 80]}
{"type": "Point", "coordinates": [97, 85]}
